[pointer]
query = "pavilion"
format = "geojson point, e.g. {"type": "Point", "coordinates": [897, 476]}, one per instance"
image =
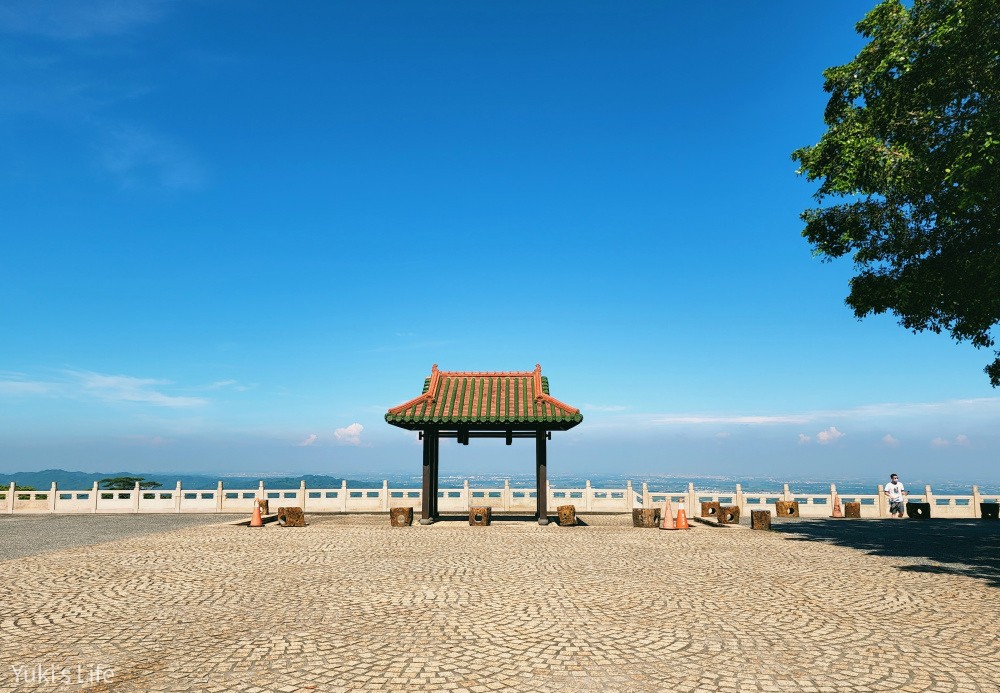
{"type": "Point", "coordinates": [465, 405]}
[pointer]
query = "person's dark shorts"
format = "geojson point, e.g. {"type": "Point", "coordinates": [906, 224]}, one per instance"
{"type": "Point", "coordinates": [896, 507]}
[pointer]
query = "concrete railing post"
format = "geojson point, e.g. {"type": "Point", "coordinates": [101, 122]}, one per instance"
{"type": "Point", "coordinates": [646, 501]}
{"type": "Point", "coordinates": [466, 495]}
{"type": "Point", "coordinates": [692, 499]}
{"type": "Point", "coordinates": [588, 496]}
{"type": "Point", "coordinates": [218, 497]}
{"type": "Point", "coordinates": [303, 494]}
{"type": "Point", "coordinates": [629, 496]}
{"type": "Point", "coordinates": [178, 494]}
{"type": "Point", "coordinates": [10, 498]}
{"type": "Point", "coordinates": [881, 501]}
{"type": "Point", "coordinates": [786, 494]}
{"type": "Point", "coordinates": [549, 500]}
{"type": "Point", "coordinates": [136, 494]}
{"type": "Point", "coordinates": [505, 496]}
{"type": "Point", "coordinates": [94, 495]}
{"type": "Point", "coordinates": [739, 499]}
{"type": "Point", "coordinates": [976, 500]}
{"type": "Point", "coordinates": [343, 496]}
{"type": "Point", "coordinates": [929, 497]}
{"type": "Point", "coordinates": [260, 490]}
{"type": "Point", "coordinates": [833, 495]}
{"type": "Point", "coordinates": [53, 492]}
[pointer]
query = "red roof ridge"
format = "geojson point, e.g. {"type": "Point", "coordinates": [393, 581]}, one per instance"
{"type": "Point", "coordinates": [556, 403]}
{"type": "Point", "coordinates": [483, 374]}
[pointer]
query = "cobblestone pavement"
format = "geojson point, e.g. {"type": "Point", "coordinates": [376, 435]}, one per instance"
{"type": "Point", "coordinates": [350, 604]}
{"type": "Point", "coordinates": [27, 535]}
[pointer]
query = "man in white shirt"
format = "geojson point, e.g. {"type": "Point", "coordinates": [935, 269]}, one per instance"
{"type": "Point", "coordinates": [895, 491]}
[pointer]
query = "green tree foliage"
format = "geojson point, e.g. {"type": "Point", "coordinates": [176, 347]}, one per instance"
{"type": "Point", "coordinates": [127, 483]}
{"type": "Point", "coordinates": [18, 487]}
{"type": "Point", "coordinates": [911, 157]}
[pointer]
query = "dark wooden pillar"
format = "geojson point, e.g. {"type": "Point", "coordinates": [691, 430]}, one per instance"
{"type": "Point", "coordinates": [426, 504]}
{"type": "Point", "coordinates": [541, 477]}
{"type": "Point", "coordinates": [435, 475]}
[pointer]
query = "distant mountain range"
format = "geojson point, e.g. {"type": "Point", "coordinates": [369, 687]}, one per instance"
{"type": "Point", "coordinates": [78, 481]}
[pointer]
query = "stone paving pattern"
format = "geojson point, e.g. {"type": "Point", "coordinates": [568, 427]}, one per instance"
{"type": "Point", "coordinates": [26, 535]}
{"type": "Point", "coordinates": [350, 604]}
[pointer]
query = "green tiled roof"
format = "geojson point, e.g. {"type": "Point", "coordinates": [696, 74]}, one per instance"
{"type": "Point", "coordinates": [494, 399]}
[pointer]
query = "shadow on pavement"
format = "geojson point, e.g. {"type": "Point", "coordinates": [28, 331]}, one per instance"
{"type": "Point", "coordinates": [957, 547]}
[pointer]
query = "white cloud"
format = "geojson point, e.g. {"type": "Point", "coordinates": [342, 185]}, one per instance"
{"type": "Point", "coordinates": [124, 388]}
{"type": "Point", "coordinates": [308, 441]}
{"type": "Point", "coordinates": [152, 441]}
{"type": "Point", "coordinates": [140, 157]}
{"type": "Point", "coordinates": [17, 386]}
{"type": "Point", "coordinates": [804, 439]}
{"type": "Point", "coordinates": [109, 388]}
{"type": "Point", "coordinates": [349, 435]}
{"type": "Point", "coordinates": [981, 406]}
{"type": "Point", "coordinates": [961, 439]}
{"type": "Point", "coordinates": [76, 19]}
{"type": "Point", "coordinates": [219, 384]}
{"type": "Point", "coordinates": [723, 419]}
{"type": "Point", "coordinates": [889, 441]}
{"type": "Point", "coordinates": [830, 435]}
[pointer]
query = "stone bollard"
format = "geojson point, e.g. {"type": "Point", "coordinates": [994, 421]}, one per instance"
{"type": "Point", "coordinates": [729, 515]}
{"type": "Point", "coordinates": [918, 511]}
{"type": "Point", "coordinates": [291, 517]}
{"type": "Point", "coordinates": [400, 517]}
{"type": "Point", "coordinates": [646, 517]}
{"type": "Point", "coordinates": [480, 516]}
{"type": "Point", "coordinates": [567, 515]}
{"type": "Point", "coordinates": [262, 502]}
{"type": "Point", "coordinates": [786, 508]}
{"type": "Point", "coordinates": [852, 509]}
{"type": "Point", "coordinates": [760, 519]}
{"type": "Point", "coordinates": [710, 508]}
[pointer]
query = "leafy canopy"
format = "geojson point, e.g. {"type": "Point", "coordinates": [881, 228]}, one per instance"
{"type": "Point", "coordinates": [911, 156]}
{"type": "Point", "coordinates": [127, 483]}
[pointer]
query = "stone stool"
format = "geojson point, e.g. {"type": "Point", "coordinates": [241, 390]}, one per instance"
{"type": "Point", "coordinates": [710, 508]}
{"type": "Point", "coordinates": [262, 502]}
{"type": "Point", "coordinates": [646, 517]}
{"type": "Point", "coordinates": [786, 508]}
{"type": "Point", "coordinates": [567, 515]}
{"type": "Point", "coordinates": [760, 519]}
{"type": "Point", "coordinates": [480, 516]}
{"type": "Point", "coordinates": [729, 515]}
{"type": "Point", "coordinates": [918, 511]}
{"type": "Point", "coordinates": [400, 517]}
{"type": "Point", "coordinates": [989, 511]}
{"type": "Point", "coordinates": [852, 509]}
{"type": "Point", "coordinates": [291, 517]}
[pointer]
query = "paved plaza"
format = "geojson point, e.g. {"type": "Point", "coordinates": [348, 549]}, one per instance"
{"type": "Point", "coordinates": [350, 604]}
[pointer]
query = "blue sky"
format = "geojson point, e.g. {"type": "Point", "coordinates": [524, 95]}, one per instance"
{"type": "Point", "coordinates": [235, 233]}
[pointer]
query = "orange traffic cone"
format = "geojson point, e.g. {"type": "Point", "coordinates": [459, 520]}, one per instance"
{"type": "Point", "coordinates": [836, 507]}
{"type": "Point", "coordinates": [667, 522]}
{"type": "Point", "coordinates": [255, 520]}
{"type": "Point", "coordinates": [682, 520]}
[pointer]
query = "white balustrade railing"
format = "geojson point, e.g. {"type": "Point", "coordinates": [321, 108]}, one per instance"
{"type": "Point", "coordinates": [506, 498]}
